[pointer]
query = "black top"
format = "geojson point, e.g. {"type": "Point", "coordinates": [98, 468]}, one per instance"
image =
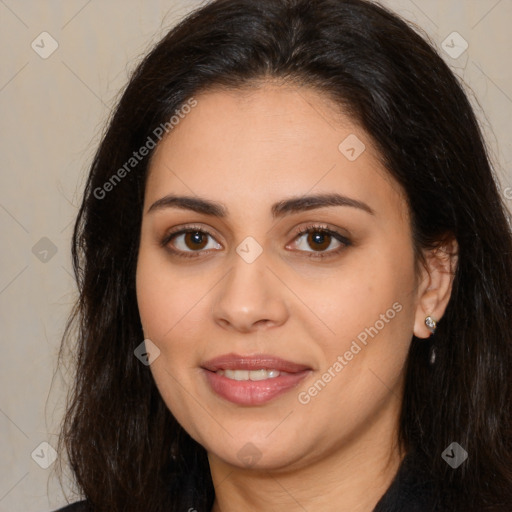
{"type": "Point", "coordinates": [79, 506]}
{"type": "Point", "coordinates": [409, 491]}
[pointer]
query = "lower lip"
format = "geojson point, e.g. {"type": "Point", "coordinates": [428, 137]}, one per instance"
{"type": "Point", "coordinates": [249, 392]}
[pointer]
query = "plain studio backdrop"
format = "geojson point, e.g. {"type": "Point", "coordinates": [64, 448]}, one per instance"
{"type": "Point", "coordinates": [63, 65]}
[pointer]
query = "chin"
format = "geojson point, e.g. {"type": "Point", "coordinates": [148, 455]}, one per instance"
{"type": "Point", "coordinates": [258, 453]}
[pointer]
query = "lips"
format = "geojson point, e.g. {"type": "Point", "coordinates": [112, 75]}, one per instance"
{"type": "Point", "coordinates": [252, 380]}
{"type": "Point", "coordinates": [260, 362]}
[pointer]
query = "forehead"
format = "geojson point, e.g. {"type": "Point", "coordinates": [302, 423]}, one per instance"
{"type": "Point", "coordinates": [256, 145]}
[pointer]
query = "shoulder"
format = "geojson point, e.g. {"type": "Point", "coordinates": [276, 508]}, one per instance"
{"type": "Point", "coordinates": [79, 506]}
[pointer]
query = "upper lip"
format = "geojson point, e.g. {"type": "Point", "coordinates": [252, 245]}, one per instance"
{"type": "Point", "coordinates": [255, 362]}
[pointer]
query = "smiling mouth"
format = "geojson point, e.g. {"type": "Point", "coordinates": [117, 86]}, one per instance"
{"type": "Point", "coordinates": [252, 380]}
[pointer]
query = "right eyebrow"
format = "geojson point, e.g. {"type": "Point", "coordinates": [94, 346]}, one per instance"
{"type": "Point", "coordinates": [195, 204]}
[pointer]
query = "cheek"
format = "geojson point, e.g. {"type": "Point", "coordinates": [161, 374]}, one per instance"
{"type": "Point", "coordinates": [173, 311]}
{"type": "Point", "coordinates": [371, 313]}
{"type": "Point", "coordinates": [369, 309]}
{"type": "Point", "coordinates": [163, 298]}
{"type": "Point", "coordinates": [354, 295]}
{"type": "Point", "coordinates": [166, 306]}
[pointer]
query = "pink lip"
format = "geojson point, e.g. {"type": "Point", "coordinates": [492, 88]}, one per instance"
{"type": "Point", "coordinates": [258, 362]}
{"type": "Point", "coordinates": [253, 392]}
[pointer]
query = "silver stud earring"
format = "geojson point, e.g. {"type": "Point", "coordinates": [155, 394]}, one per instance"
{"type": "Point", "coordinates": [431, 324]}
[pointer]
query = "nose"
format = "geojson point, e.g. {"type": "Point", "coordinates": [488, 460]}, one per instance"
{"type": "Point", "coordinates": [250, 297]}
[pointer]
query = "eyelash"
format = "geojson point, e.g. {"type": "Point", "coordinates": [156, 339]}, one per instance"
{"type": "Point", "coordinates": [307, 229]}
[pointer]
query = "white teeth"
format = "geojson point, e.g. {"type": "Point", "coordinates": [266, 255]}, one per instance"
{"type": "Point", "coordinates": [249, 375]}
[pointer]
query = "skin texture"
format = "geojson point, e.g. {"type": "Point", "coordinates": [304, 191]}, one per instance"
{"type": "Point", "coordinates": [248, 149]}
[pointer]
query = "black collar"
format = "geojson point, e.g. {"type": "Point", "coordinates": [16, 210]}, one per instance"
{"type": "Point", "coordinates": [410, 491]}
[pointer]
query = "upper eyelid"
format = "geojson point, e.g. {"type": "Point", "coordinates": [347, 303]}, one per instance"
{"type": "Point", "coordinates": [299, 233]}
{"type": "Point", "coordinates": [339, 237]}
{"type": "Point", "coordinates": [311, 226]}
{"type": "Point", "coordinates": [183, 230]}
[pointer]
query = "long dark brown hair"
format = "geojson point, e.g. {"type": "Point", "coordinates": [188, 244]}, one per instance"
{"type": "Point", "coordinates": [125, 449]}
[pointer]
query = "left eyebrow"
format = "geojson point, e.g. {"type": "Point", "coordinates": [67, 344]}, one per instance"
{"type": "Point", "coordinates": [279, 209]}
{"type": "Point", "coordinates": [312, 202]}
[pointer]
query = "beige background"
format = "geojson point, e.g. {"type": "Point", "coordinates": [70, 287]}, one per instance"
{"type": "Point", "coordinates": [52, 113]}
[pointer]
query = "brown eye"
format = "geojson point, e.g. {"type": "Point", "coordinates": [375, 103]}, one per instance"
{"type": "Point", "coordinates": [190, 242]}
{"type": "Point", "coordinates": [195, 240]}
{"type": "Point", "coordinates": [319, 240]}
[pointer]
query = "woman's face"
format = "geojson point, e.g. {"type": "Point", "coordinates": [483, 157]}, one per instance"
{"type": "Point", "coordinates": [238, 289]}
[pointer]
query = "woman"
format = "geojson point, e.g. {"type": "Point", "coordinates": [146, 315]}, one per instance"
{"type": "Point", "coordinates": [292, 197]}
